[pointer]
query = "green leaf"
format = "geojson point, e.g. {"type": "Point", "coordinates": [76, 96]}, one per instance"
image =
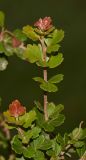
{"type": "Point", "coordinates": [55, 151]}
{"type": "Point", "coordinates": [49, 87]}
{"type": "Point", "coordinates": [10, 127]}
{"type": "Point", "coordinates": [3, 63]}
{"type": "Point", "coordinates": [8, 50]}
{"type": "Point", "coordinates": [33, 53]}
{"type": "Point", "coordinates": [47, 144]}
{"type": "Point", "coordinates": [29, 151]}
{"type": "Point", "coordinates": [56, 148]}
{"type": "Point", "coordinates": [30, 33]}
{"type": "Point", "coordinates": [84, 134]}
{"type": "Point", "coordinates": [77, 133]}
{"type": "Point", "coordinates": [53, 111]}
{"type": "Point", "coordinates": [17, 145]}
{"type": "Point", "coordinates": [48, 127]}
{"type": "Point", "coordinates": [53, 114]}
{"type": "Point", "coordinates": [22, 158]}
{"type": "Point", "coordinates": [50, 153]}
{"type": "Point", "coordinates": [2, 18]}
{"type": "Point", "coordinates": [38, 79]}
{"type": "Point", "coordinates": [19, 52]}
{"type": "Point", "coordinates": [55, 61]}
{"type": "Point", "coordinates": [20, 35]}
{"type": "Point", "coordinates": [66, 138]}
{"type": "Point", "coordinates": [35, 132]}
{"type": "Point", "coordinates": [55, 37]}
{"type": "Point", "coordinates": [60, 139]}
{"type": "Point", "coordinates": [27, 119]}
{"type": "Point", "coordinates": [54, 122]}
{"type": "Point", "coordinates": [78, 144]}
{"type": "Point", "coordinates": [32, 151]}
{"type": "Point", "coordinates": [38, 105]}
{"type": "Point", "coordinates": [39, 155]}
{"type": "Point", "coordinates": [56, 79]}
{"type": "Point", "coordinates": [40, 118]}
{"type": "Point", "coordinates": [50, 108]}
{"type": "Point", "coordinates": [53, 48]}
{"type": "Point", "coordinates": [2, 48]}
{"type": "Point", "coordinates": [81, 151]}
{"type": "Point", "coordinates": [57, 121]}
{"type": "Point", "coordinates": [25, 136]}
{"type": "Point", "coordinates": [42, 63]}
{"type": "Point", "coordinates": [58, 35]}
{"type": "Point", "coordinates": [8, 118]}
{"type": "Point", "coordinates": [57, 110]}
{"type": "Point", "coordinates": [38, 142]}
{"type": "Point", "coordinates": [31, 134]}
{"type": "Point", "coordinates": [42, 33]}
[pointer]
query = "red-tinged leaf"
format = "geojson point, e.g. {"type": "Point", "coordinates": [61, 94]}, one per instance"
{"type": "Point", "coordinates": [15, 42]}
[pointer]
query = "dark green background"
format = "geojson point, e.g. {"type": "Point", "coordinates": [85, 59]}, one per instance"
{"type": "Point", "coordinates": [16, 81]}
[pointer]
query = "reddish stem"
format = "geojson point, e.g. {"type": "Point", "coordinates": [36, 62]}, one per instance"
{"type": "Point", "coordinates": [45, 77]}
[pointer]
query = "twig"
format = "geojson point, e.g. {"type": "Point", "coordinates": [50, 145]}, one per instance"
{"type": "Point", "coordinates": [45, 77]}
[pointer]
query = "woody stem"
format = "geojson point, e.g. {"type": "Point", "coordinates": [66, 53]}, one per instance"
{"type": "Point", "coordinates": [45, 77]}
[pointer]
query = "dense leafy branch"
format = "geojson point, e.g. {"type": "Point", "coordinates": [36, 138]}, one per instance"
{"type": "Point", "coordinates": [34, 137]}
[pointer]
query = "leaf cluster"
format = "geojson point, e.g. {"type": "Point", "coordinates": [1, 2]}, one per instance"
{"type": "Point", "coordinates": [34, 136]}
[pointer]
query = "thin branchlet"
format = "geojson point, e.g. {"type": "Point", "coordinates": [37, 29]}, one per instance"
{"type": "Point", "coordinates": [44, 49]}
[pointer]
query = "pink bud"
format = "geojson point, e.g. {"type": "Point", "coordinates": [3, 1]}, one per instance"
{"type": "Point", "coordinates": [16, 109]}
{"type": "Point", "coordinates": [44, 24]}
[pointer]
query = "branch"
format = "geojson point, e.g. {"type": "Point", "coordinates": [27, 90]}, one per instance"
{"type": "Point", "coordinates": [45, 77]}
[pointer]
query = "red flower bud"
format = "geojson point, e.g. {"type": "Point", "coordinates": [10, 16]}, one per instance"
{"type": "Point", "coordinates": [15, 42]}
{"type": "Point", "coordinates": [44, 24]}
{"type": "Point", "coordinates": [16, 109]}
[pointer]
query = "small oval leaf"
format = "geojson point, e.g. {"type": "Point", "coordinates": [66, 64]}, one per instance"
{"type": "Point", "coordinates": [49, 87]}
{"type": "Point", "coordinates": [2, 18]}
{"type": "Point", "coordinates": [3, 63]}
